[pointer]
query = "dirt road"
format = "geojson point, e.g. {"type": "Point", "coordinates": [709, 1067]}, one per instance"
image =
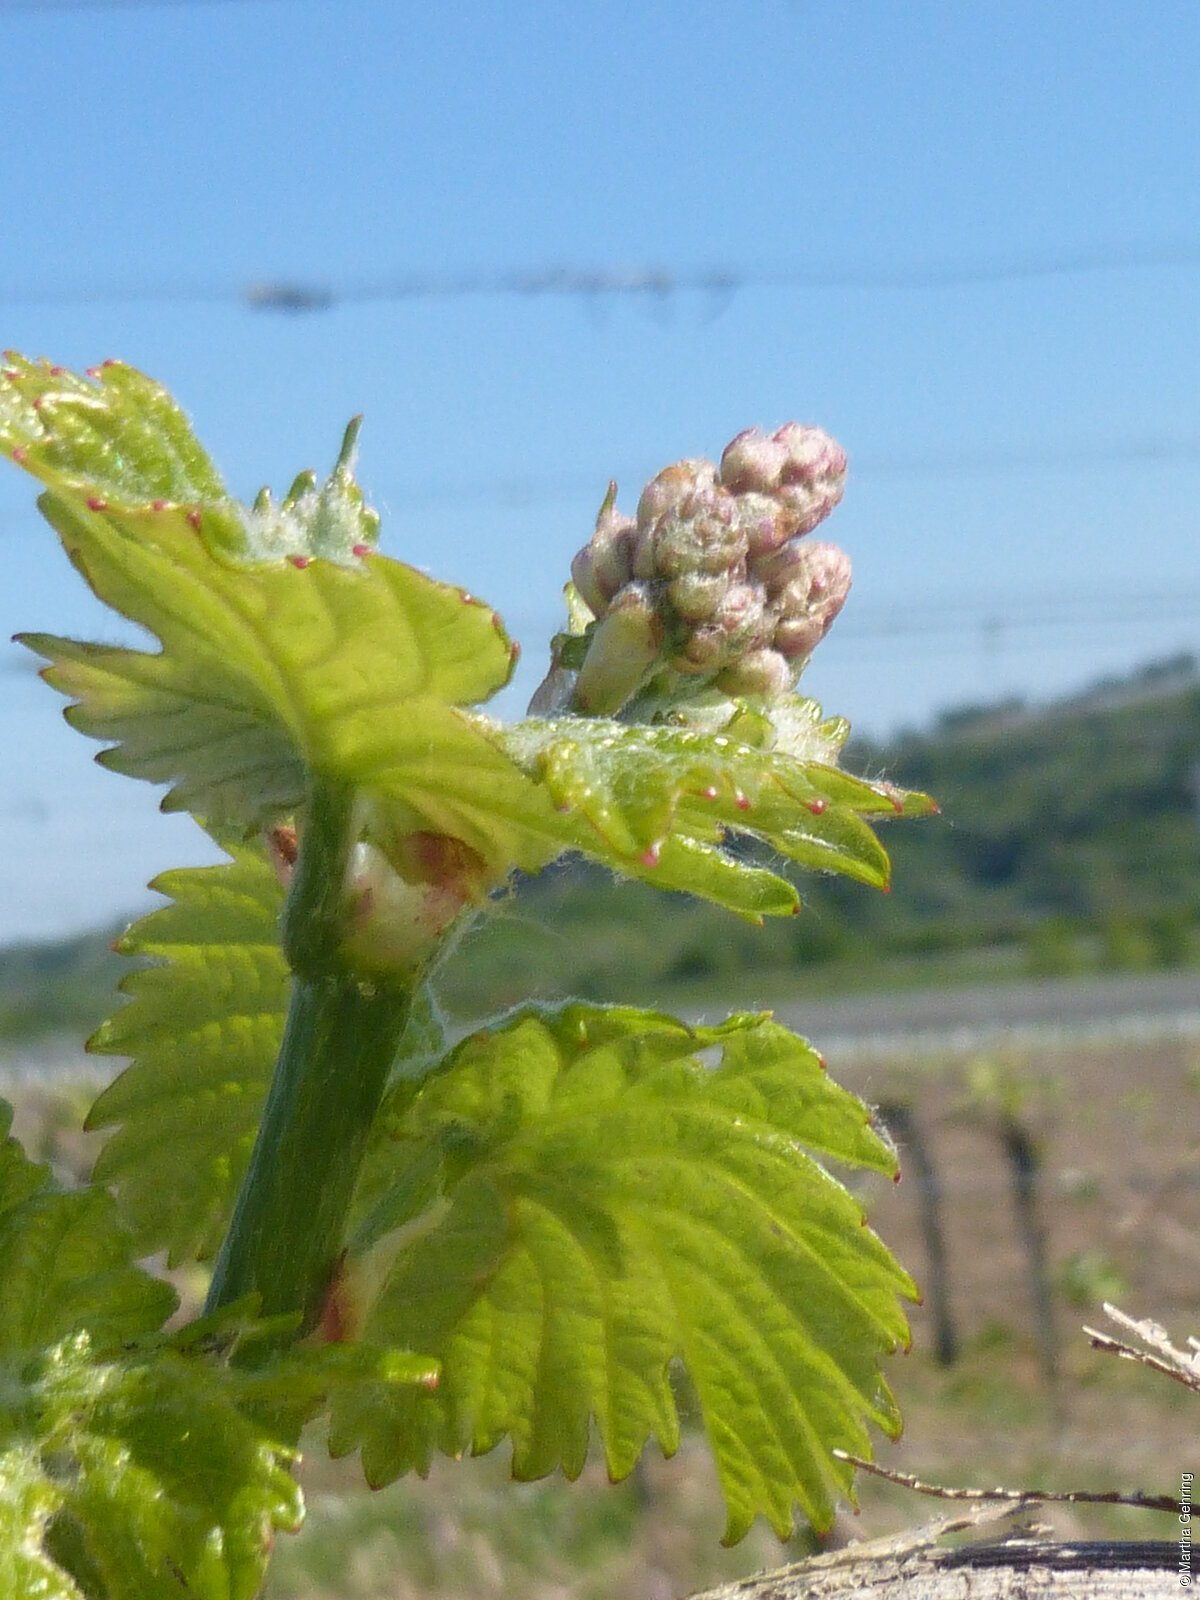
{"type": "Point", "coordinates": [1136, 1006]}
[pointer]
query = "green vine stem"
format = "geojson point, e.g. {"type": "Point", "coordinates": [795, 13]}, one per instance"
{"type": "Point", "coordinates": [338, 1045]}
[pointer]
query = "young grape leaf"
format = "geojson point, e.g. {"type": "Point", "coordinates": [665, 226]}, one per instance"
{"type": "Point", "coordinates": [66, 1262]}
{"type": "Point", "coordinates": [203, 1026]}
{"type": "Point", "coordinates": [333, 660]}
{"type": "Point", "coordinates": [73, 1300]}
{"type": "Point", "coordinates": [115, 434]}
{"type": "Point", "coordinates": [609, 1204]}
{"type": "Point", "coordinates": [140, 1476]}
{"type": "Point", "coordinates": [28, 1502]}
{"type": "Point", "coordinates": [647, 790]}
{"type": "Point", "coordinates": [268, 672]}
{"type": "Point", "coordinates": [157, 1474]}
{"type": "Point", "coordinates": [131, 1465]}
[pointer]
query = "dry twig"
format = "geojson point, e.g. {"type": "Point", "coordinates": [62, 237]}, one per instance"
{"type": "Point", "coordinates": [1112, 1497]}
{"type": "Point", "coordinates": [1181, 1365]}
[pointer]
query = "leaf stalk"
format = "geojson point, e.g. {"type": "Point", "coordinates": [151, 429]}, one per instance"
{"type": "Point", "coordinates": [338, 1046]}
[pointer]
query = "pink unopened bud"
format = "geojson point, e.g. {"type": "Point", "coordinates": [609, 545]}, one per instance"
{"type": "Point", "coordinates": [808, 506]}
{"type": "Point", "coordinates": [812, 455]}
{"type": "Point", "coordinates": [674, 491]}
{"type": "Point", "coordinates": [778, 568]}
{"type": "Point", "coordinates": [802, 469]}
{"type": "Point", "coordinates": [686, 523]}
{"type": "Point", "coordinates": [623, 648]}
{"type": "Point", "coordinates": [643, 554]}
{"type": "Point", "coordinates": [765, 522]}
{"type": "Point", "coordinates": [709, 542]}
{"type": "Point", "coordinates": [809, 602]}
{"type": "Point", "coordinates": [696, 596]}
{"type": "Point", "coordinates": [759, 672]}
{"type": "Point", "coordinates": [712, 575]}
{"type": "Point", "coordinates": [814, 474]}
{"type": "Point", "coordinates": [702, 651]}
{"type": "Point", "coordinates": [613, 552]}
{"type": "Point", "coordinates": [797, 637]}
{"type": "Point", "coordinates": [741, 616]}
{"type": "Point", "coordinates": [812, 575]}
{"type": "Point", "coordinates": [598, 573]}
{"type": "Point", "coordinates": [830, 576]}
{"type": "Point", "coordinates": [605, 564]}
{"type": "Point", "coordinates": [753, 461]}
{"type": "Point", "coordinates": [583, 576]}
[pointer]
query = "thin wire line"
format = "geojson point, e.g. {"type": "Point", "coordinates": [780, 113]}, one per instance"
{"type": "Point", "coordinates": [653, 283]}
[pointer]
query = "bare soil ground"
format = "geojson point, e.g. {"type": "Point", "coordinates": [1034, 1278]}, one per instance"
{"type": "Point", "coordinates": [1116, 1131]}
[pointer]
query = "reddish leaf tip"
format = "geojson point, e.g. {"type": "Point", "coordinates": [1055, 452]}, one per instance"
{"type": "Point", "coordinates": [11, 374]}
{"type": "Point", "coordinates": [817, 806]}
{"type": "Point", "coordinates": [20, 455]}
{"type": "Point", "coordinates": [300, 561]}
{"type": "Point", "coordinates": [360, 550]}
{"type": "Point", "coordinates": [92, 372]}
{"type": "Point", "coordinates": [710, 793]}
{"type": "Point", "coordinates": [649, 858]}
{"type": "Point", "coordinates": [158, 505]}
{"type": "Point", "coordinates": [94, 503]}
{"type": "Point", "coordinates": [742, 801]}
{"type": "Point", "coordinates": [194, 520]}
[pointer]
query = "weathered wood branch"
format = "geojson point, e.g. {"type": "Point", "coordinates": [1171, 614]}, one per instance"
{"type": "Point", "coordinates": [915, 1566]}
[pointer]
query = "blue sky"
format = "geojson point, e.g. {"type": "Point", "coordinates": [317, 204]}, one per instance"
{"type": "Point", "coordinates": [995, 206]}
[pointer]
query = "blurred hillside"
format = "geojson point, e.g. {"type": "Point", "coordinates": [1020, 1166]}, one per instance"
{"type": "Point", "coordinates": [1073, 831]}
{"type": "Point", "coordinates": [1069, 841]}
{"type": "Point", "coordinates": [63, 986]}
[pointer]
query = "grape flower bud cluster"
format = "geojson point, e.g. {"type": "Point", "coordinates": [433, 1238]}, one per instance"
{"type": "Point", "coordinates": [713, 578]}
